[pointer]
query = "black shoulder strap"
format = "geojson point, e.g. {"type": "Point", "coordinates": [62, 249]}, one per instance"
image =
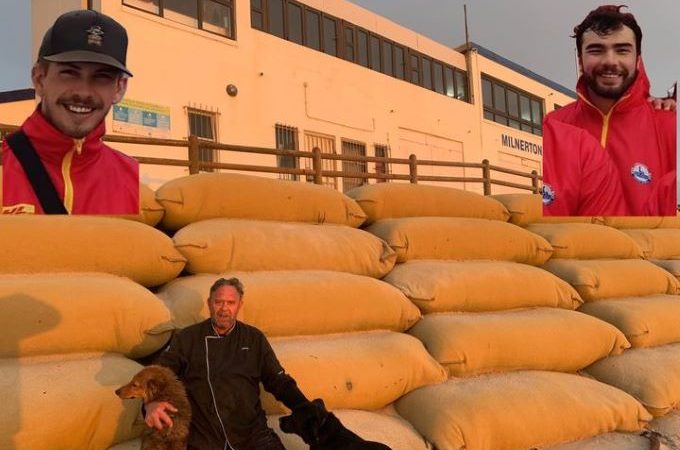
{"type": "Point", "coordinates": [37, 175]}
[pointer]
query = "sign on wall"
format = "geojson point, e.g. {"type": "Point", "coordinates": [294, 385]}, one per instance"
{"type": "Point", "coordinates": [141, 119]}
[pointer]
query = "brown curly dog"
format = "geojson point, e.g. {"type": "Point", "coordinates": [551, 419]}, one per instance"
{"type": "Point", "coordinates": [158, 383]}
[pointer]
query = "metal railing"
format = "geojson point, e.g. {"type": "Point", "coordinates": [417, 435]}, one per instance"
{"type": "Point", "coordinates": [316, 173]}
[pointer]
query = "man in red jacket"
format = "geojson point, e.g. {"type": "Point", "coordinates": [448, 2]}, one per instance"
{"type": "Point", "coordinates": [635, 138]}
{"type": "Point", "coordinates": [57, 163]}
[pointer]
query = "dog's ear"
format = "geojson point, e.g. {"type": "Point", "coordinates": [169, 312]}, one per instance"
{"type": "Point", "coordinates": [154, 387]}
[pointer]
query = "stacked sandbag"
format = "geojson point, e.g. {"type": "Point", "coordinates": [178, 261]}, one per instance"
{"type": "Point", "coordinates": [289, 303]}
{"type": "Point", "coordinates": [637, 297]}
{"type": "Point", "coordinates": [519, 410]}
{"type": "Point", "coordinates": [150, 211]}
{"type": "Point", "coordinates": [222, 245]}
{"type": "Point", "coordinates": [667, 429]}
{"type": "Point", "coordinates": [214, 195]}
{"type": "Point", "coordinates": [74, 306]}
{"type": "Point", "coordinates": [66, 401]}
{"type": "Point", "coordinates": [526, 209]}
{"type": "Point", "coordinates": [614, 441]}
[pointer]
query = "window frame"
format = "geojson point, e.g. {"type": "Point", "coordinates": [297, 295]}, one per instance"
{"type": "Point", "coordinates": [504, 117]}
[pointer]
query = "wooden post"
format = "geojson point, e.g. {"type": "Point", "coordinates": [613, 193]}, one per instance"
{"type": "Point", "coordinates": [317, 165]}
{"type": "Point", "coordinates": [413, 168]}
{"type": "Point", "coordinates": [486, 177]}
{"type": "Point", "coordinates": [534, 182]}
{"type": "Point", "coordinates": [194, 163]}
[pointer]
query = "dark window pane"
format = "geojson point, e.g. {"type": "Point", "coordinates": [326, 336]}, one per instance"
{"type": "Point", "coordinates": [387, 58]}
{"type": "Point", "coordinates": [294, 23]}
{"type": "Point", "coordinates": [501, 119]}
{"type": "Point", "coordinates": [256, 4]}
{"type": "Point", "coordinates": [499, 97]}
{"type": "Point", "coordinates": [181, 11]}
{"type": "Point", "coordinates": [513, 104]}
{"type": "Point", "coordinates": [312, 34]}
{"type": "Point", "coordinates": [349, 44]}
{"type": "Point", "coordinates": [399, 62]}
{"type": "Point", "coordinates": [461, 85]}
{"type": "Point", "coordinates": [536, 112]}
{"type": "Point", "coordinates": [330, 36]}
{"type": "Point", "coordinates": [275, 11]}
{"type": "Point", "coordinates": [526, 127]}
{"type": "Point", "coordinates": [362, 48]}
{"type": "Point", "coordinates": [427, 73]}
{"type": "Point", "coordinates": [524, 109]}
{"type": "Point", "coordinates": [375, 53]}
{"type": "Point", "coordinates": [256, 20]}
{"type": "Point", "coordinates": [448, 81]}
{"type": "Point", "coordinates": [488, 115]}
{"type": "Point", "coordinates": [538, 131]}
{"type": "Point", "coordinates": [144, 4]}
{"type": "Point", "coordinates": [217, 18]}
{"type": "Point", "coordinates": [438, 77]}
{"type": "Point", "coordinates": [415, 71]}
{"type": "Point", "coordinates": [487, 93]}
{"type": "Point", "coordinates": [513, 123]}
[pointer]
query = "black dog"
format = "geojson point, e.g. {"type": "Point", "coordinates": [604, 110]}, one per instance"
{"type": "Point", "coordinates": [321, 430]}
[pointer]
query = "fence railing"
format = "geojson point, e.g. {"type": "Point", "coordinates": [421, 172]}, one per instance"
{"type": "Point", "coordinates": [528, 181]}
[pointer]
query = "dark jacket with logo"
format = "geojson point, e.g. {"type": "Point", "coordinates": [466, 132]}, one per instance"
{"type": "Point", "coordinates": [222, 376]}
{"type": "Point", "coordinates": [639, 140]}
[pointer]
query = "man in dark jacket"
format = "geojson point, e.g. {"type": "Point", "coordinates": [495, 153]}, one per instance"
{"type": "Point", "coordinates": [222, 362]}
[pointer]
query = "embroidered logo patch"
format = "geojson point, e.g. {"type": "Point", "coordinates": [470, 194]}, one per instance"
{"type": "Point", "coordinates": [548, 194]}
{"type": "Point", "coordinates": [641, 173]}
{"type": "Point", "coordinates": [20, 208]}
{"type": "Point", "coordinates": [94, 35]}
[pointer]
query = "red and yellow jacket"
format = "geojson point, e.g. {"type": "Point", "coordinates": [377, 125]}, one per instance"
{"type": "Point", "coordinates": [90, 177]}
{"type": "Point", "coordinates": [639, 140]}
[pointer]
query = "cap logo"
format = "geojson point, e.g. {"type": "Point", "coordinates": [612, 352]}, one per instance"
{"type": "Point", "coordinates": [94, 35]}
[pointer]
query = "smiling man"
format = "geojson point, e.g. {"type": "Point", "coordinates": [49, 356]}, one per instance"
{"type": "Point", "coordinates": [56, 163]}
{"type": "Point", "coordinates": [632, 139]}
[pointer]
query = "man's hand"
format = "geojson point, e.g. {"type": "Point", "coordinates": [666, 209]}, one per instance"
{"type": "Point", "coordinates": [667, 104]}
{"type": "Point", "coordinates": [157, 414]}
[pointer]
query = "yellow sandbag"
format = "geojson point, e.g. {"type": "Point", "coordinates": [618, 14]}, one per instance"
{"type": "Point", "coordinates": [390, 200]}
{"type": "Point", "coordinates": [440, 286]}
{"type": "Point", "coordinates": [390, 430]}
{"type": "Point", "coordinates": [518, 411]}
{"type": "Point", "coordinates": [38, 244]}
{"type": "Point", "coordinates": [66, 402]}
{"type": "Point", "coordinates": [663, 243]}
{"type": "Point", "coordinates": [223, 245]}
{"type": "Point", "coordinates": [651, 222]}
{"type": "Point", "coordinates": [671, 266]}
{"type": "Point", "coordinates": [645, 321]}
{"type": "Point", "coordinates": [469, 344]}
{"type": "Point", "coordinates": [150, 211]}
{"type": "Point", "coordinates": [587, 241]}
{"type": "Point", "coordinates": [523, 208]}
{"type": "Point", "coordinates": [290, 303]}
{"type": "Point", "coordinates": [598, 279]}
{"type": "Point", "coordinates": [608, 441]}
{"type": "Point", "coordinates": [652, 375]}
{"type": "Point", "coordinates": [366, 370]}
{"type": "Point", "coordinates": [211, 195]}
{"type": "Point", "coordinates": [44, 314]}
{"type": "Point", "coordinates": [461, 238]}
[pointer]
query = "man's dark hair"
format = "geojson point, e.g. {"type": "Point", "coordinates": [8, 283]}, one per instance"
{"type": "Point", "coordinates": [605, 20]}
{"type": "Point", "coordinates": [233, 282]}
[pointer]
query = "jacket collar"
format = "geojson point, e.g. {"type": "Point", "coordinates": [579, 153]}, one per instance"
{"type": "Point", "coordinates": [636, 93]}
{"type": "Point", "coordinates": [52, 144]}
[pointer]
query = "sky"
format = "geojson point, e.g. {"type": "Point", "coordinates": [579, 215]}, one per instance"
{"type": "Point", "coordinates": [536, 33]}
{"type": "Point", "coordinates": [533, 33]}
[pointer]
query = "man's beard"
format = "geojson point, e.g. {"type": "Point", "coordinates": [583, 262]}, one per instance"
{"type": "Point", "coordinates": [611, 92]}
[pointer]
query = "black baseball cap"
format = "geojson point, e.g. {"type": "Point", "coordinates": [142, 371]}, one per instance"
{"type": "Point", "coordinates": [86, 36]}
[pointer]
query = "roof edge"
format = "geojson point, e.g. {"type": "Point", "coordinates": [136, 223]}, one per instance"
{"type": "Point", "coordinates": [17, 95]}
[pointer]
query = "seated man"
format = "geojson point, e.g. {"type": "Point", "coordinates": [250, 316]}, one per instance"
{"type": "Point", "coordinates": [222, 362]}
{"type": "Point", "coordinates": [56, 163]}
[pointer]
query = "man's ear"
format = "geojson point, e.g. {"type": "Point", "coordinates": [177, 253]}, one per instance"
{"type": "Point", "coordinates": [38, 74]}
{"type": "Point", "coordinates": [121, 87]}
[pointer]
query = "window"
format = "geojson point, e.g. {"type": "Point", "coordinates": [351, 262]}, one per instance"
{"type": "Point", "coordinates": [294, 23]}
{"type": "Point", "coordinates": [353, 148]}
{"type": "Point", "coordinates": [302, 24]}
{"type": "Point", "coordinates": [512, 107]}
{"type": "Point", "coordinates": [215, 16]}
{"type": "Point", "coordinates": [382, 151]}
{"type": "Point", "coordinates": [202, 125]}
{"type": "Point", "coordinates": [287, 139]}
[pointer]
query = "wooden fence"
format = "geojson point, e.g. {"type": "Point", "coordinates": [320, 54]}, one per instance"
{"type": "Point", "coordinates": [528, 181]}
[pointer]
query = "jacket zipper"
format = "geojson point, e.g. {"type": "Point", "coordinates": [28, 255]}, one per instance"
{"type": "Point", "coordinates": [66, 173]}
{"type": "Point", "coordinates": [605, 118]}
{"type": "Point", "coordinates": [227, 444]}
